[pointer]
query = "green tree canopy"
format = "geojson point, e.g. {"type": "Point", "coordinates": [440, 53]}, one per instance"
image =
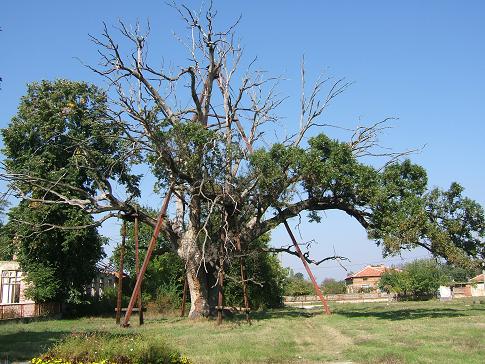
{"type": "Point", "coordinates": [297, 285]}
{"type": "Point", "coordinates": [418, 279]}
{"type": "Point", "coordinates": [332, 286]}
{"type": "Point", "coordinates": [58, 124]}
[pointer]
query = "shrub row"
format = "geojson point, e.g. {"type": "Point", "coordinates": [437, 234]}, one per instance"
{"type": "Point", "coordinates": [107, 348]}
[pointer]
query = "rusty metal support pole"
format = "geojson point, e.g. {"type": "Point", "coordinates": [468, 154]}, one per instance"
{"type": "Point", "coordinates": [307, 267]}
{"type": "Point", "coordinates": [120, 273]}
{"type": "Point", "coordinates": [151, 247]}
{"type": "Point", "coordinates": [137, 270]}
{"type": "Point", "coordinates": [245, 289]}
{"type": "Point", "coordinates": [220, 286]}
{"type": "Point", "coordinates": [244, 281]}
{"type": "Point", "coordinates": [184, 296]}
{"type": "Point", "coordinates": [220, 297]}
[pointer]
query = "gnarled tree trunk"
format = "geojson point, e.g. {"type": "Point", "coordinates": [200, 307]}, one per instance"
{"type": "Point", "coordinates": [197, 280]}
{"type": "Point", "coordinates": [191, 254]}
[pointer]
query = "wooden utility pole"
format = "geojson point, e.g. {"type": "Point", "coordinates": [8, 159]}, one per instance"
{"type": "Point", "coordinates": [120, 274]}
{"type": "Point", "coordinates": [220, 286]}
{"type": "Point", "coordinates": [307, 267]}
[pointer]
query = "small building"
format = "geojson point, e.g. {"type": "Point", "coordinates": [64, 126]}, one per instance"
{"type": "Point", "coordinates": [366, 280]}
{"type": "Point", "coordinates": [14, 304]}
{"type": "Point", "coordinates": [461, 290]}
{"type": "Point", "coordinates": [477, 285]}
{"type": "Point", "coordinates": [445, 293]}
{"type": "Point", "coordinates": [106, 277]}
{"type": "Point", "coordinates": [12, 286]}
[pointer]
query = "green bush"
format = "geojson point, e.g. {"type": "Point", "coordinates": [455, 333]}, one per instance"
{"type": "Point", "coordinates": [43, 283]}
{"type": "Point", "coordinates": [419, 279]}
{"type": "Point", "coordinates": [366, 289]}
{"type": "Point", "coordinates": [331, 286]}
{"type": "Point", "coordinates": [97, 306]}
{"type": "Point", "coordinates": [98, 347]}
{"type": "Point", "coordinates": [168, 297]}
{"type": "Point", "coordinates": [297, 285]}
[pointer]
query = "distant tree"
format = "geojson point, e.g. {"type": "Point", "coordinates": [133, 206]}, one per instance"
{"type": "Point", "coordinates": [418, 279]}
{"type": "Point", "coordinates": [454, 273]}
{"type": "Point", "coordinates": [332, 286]}
{"type": "Point", "coordinates": [425, 276]}
{"type": "Point", "coordinates": [396, 282]}
{"type": "Point", "coordinates": [297, 285]}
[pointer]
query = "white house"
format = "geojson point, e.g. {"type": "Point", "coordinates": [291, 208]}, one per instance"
{"type": "Point", "coordinates": [12, 287]}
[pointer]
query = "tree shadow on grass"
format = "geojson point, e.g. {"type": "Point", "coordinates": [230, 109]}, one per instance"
{"type": "Point", "coordinates": [287, 313]}
{"type": "Point", "coordinates": [384, 314]}
{"type": "Point", "coordinates": [24, 345]}
{"type": "Point", "coordinates": [405, 314]}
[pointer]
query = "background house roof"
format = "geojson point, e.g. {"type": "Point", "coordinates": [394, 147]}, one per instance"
{"type": "Point", "coordinates": [369, 271]}
{"type": "Point", "coordinates": [478, 278]}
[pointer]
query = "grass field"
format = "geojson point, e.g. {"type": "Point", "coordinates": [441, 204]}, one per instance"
{"type": "Point", "coordinates": [409, 332]}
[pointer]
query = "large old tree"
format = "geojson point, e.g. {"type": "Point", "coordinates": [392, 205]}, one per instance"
{"type": "Point", "coordinates": [205, 131]}
{"type": "Point", "coordinates": [56, 244]}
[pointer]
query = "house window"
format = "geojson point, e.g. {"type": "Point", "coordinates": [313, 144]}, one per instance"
{"type": "Point", "coordinates": [10, 286]}
{"type": "Point", "coordinates": [365, 278]}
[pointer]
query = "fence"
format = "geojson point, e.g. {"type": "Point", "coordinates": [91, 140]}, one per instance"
{"type": "Point", "coordinates": [345, 297]}
{"type": "Point", "coordinates": [21, 310]}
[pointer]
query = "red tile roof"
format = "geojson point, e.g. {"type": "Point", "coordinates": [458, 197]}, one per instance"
{"type": "Point", "coordinates": [369, 271]}
{"type": "Point", "coordinates": [478, 278]}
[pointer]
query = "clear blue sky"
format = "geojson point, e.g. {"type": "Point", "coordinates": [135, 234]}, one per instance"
{"type": "Point", "coordinates": [421, 61]}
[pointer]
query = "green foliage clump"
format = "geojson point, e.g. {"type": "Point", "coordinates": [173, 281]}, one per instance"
{"type": "Point", "coordinates": [419, 279]}
{"type": "Point", "coordinates": [60, 134]}
{"type": "Point", "coordinates": [332, 286]}
{"type": "Point", "coordinates": [459, 274]}
{"type": "Point", "coordinates": [297, 285]}
{"type": "Point", "coordinates": [266, 278]}
{"type": "Point", "coordinates": [168, 297]}
{"type": "Point", "coordinates": [106, 348]}
{"type": "Point", "coordinates": [58, 262]}
{"type": "Point", "coordinates": [99, 306]}
{"type": "Point", "coordinates": [165, 275]}
{"type": "Point", "coordinates": [44, 285]}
